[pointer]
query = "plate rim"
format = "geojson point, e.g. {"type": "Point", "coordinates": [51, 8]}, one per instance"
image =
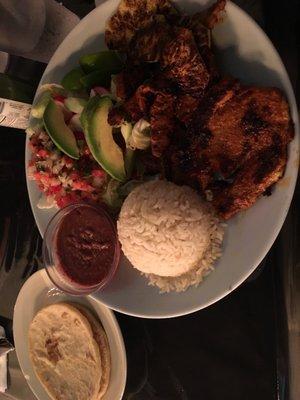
{"type": "Point", "coordinates": [289, 92]}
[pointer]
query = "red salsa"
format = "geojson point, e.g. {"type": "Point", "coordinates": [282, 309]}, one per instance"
{"type": "Point", "coordinates": [85, 246]}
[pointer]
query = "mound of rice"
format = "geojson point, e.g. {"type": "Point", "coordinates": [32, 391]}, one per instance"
{"type": "Point", "coordinates": [168, 233]}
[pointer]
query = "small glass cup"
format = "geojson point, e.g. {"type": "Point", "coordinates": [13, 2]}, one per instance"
{"type": "Point", "coordinates": [51, 261]}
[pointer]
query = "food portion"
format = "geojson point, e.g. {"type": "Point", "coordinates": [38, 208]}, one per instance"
{"type": "Point", "coordinates": [236, 148]}
{"type": "Point", "coordinates": [99, 136]}
{"type": "Point", "coordinates": [168, 233]}
{"type": "Point", "coordinates": [69, 352]}
{"type": "Point", "coordinates": [61, 135]}
{"type": "Point", "coordinates": [102, 342]}
{"type": "Point", "coordinates": [131, 124]}
{"type": "Point", "coordinates": [226, 139]}
{"type": "Point", "coordinates": [85, 246]}
{"type": "Point", "coordinates": [133, 16]}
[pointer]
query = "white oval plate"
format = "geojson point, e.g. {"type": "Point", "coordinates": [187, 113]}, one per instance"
{"type": "Point", "coordinates": [246, 52]}
{"type": "Point", "coordinates": [38, 292]}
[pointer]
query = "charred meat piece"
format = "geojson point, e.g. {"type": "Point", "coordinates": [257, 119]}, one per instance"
{"type": "Point", "coordinates": [139, 104]}
{"type": "Point", "coordinates": [213, 15]}
{"type": "Point", "coordinates": [128, 111]}
{"type": "Point", "coordinates": [244, 125]}
{"type": "Point", "coordinates": [131, 110]}
{"type": "Point", "coordinates": [202, 37]}
{"type": "Point", "coordinates": [148, 43]}
{"type": "Point", "coordinates": [155, 102]}
{"type": "Point", "coordinates": [183, 64]}
{"type": "Point", "coordinates": [132, 16]}
{"type": "Point", "coordinates": [201, 25]}
{"type": "Point", "coordinates": [185, 107]}
{"type": "Point", "coordinates": [237, 145]}
{"type": "Point", "coordinates": [201, 33]}
{"type": "Point", "coordinates": [147, 92]}
{"type": "Point", "coordinates": [116, 116]}
{"type": "Point", "coordinates": [149, 164]}
{"type": "Point", "coordinates": [258, 173]}
{"type": "Point", "coordinates": [210, 62]}
{"type": "Point", "coordinates": [128, 80]}
{"type": "Point", "coordinates": [216, 148]}
{"type": "Point", "coordinates": [162, 122]}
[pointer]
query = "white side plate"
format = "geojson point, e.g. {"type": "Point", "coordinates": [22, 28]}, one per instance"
{"type": "Point", "coordinates": [38, 292]}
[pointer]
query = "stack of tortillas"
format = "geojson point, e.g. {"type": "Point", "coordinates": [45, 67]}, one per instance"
{"type": "Point", "coordinates": [70, 353]}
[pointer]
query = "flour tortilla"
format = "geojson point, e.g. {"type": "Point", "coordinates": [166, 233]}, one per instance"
{"type": "Point", "coordinates": [101, 339]}
{"type": "Point", "coordinates": [64, 353]}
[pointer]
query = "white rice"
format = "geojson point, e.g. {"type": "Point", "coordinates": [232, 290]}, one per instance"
{"type": "Point", "coordinates": [169, 234]}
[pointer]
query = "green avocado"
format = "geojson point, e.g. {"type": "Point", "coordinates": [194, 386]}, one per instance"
{"type": "Point", "coordinates": [104, 61]}
{"type": "Point", "coordinates": [59, 132]}
{"type": "Point", "coordinates": [95, 78]}
{"type": "Point", "coordinates": [99, 137]}
{"type": "Point", "coordinates": [71, 81]}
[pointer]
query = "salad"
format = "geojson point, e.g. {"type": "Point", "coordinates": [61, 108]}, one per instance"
{"type": "Point", "coordinates": [76, 154]}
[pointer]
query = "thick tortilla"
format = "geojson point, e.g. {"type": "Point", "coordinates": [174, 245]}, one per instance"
{"type": "Point", "coordinates": [101, 339]}
{"type": "Point", "coordinates": [64, 353]}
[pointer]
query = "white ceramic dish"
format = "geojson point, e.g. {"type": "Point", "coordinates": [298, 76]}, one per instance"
{"type": "Point", "coordinates": [39, 292]}
{"type": "Point", "coordinates": [244, 51]}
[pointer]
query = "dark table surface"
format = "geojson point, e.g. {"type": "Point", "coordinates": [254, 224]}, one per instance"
{"type": "Point", "coordinates": [235, 349]}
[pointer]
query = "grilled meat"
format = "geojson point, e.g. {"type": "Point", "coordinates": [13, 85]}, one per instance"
{"type": "Point", "coordinates": [257, 174]}
{"type": "Point", "coordinates": [216, 135]}
{"type": "Point", "coordinates": [236, 144]}
{"type": "Point", "coordinates": [133, 16]}
{"type": "Point", "coordinates": [162, 122]}
{"type": "Point", "coordinates": [202, 36]}
{"type": "Point", "coordinates": [154, 101]}
{"type": "Point", "coordinates": [139, 104]}
{"type": "Point", "coordinates": [213, 15]}
{"type": "Point", "coordinates": [177, 53]}
{"type": "Point", "coordinates": [129, 79]}
{"type": "Point", "coordinates": [148, 43]}
{"type": "Point", "coordinates": [183, 64]}
{"type": "Point", "coordinates": [185, 107]}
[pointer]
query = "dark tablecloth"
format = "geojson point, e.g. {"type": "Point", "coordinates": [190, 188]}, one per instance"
{"type": "Point", "coordinates": [235, 349]}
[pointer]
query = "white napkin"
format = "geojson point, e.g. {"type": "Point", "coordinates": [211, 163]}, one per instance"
{"type": "Point", "coordinates": [3, 367]}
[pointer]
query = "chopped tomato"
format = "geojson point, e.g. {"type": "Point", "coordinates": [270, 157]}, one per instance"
{"type": "Point", "coordinates": [60, 98]}
{"type": "Point", "coordinates": [68, 161]}
{"type": "Point", "coordinates": [65, 200]}
{"type": "Point", "coordinates": [74, 175]}
{"type": "Point", "coordinates": [43, 153]}
{"type": "Point", "coordinates": [82, 185]}
{"type": "Point", "coordinates": [54, 190]}
{"type": "Point", "coordinates": [37, 176]}
{"type": "Point", "coordinates": [98, 173]}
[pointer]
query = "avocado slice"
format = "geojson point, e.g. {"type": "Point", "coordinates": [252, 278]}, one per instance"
{"type": "Point", "coordinates": [95, 78]}
{"type": "Point", "coordinates": [105, 61]}
{"type": "Point", "coordinates": [71, 81]}
{"type": "Point", "coordinates": [61, 135]}
{"type": "Point", "coordinates": [99, 137]}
